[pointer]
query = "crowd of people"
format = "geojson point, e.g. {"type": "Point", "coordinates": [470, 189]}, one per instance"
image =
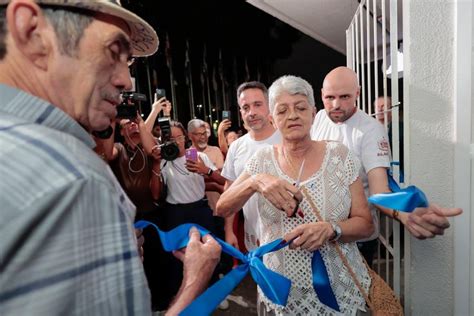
{"type": "Point", "coordinates": [70, 193]}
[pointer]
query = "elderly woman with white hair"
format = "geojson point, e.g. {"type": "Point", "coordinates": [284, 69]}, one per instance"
{"type": "Point", "coordinates": [310, 193]}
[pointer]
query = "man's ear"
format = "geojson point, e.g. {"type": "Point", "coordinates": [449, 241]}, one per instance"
{"type": "Point", "coordinates": [29, 31]}
{"type": "Point", "coordinates": [270, 118]}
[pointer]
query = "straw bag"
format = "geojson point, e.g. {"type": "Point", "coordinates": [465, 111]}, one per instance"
{"type": "Point", "coordinates": [381, 299]}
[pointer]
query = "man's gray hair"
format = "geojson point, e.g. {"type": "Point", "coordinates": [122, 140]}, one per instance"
{"type": "Point", "coordinates": [194, 124]}
{"type": "Point", "coordinates": [68, 24]}
{"type": "Point", "coordinates": [291, 85]}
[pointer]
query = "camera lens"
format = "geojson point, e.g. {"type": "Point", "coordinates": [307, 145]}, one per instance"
{"type": "Point", "coordinates": [169, 151]}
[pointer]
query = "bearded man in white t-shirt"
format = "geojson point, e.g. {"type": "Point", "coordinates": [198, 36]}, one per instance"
{"type": "Point", "coordinates": [252, 98]}
{"type": "Point", "coordinates": [343, 121]}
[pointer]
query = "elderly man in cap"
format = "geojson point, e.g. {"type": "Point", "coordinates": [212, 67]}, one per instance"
{"type": "Point", "coordinates": [68, 244]}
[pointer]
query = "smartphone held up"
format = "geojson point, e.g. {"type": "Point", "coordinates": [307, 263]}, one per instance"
{"type": "Point", "coordinates": [160, 93]}
{"type": "Point", "coordinates": [191, 154]}
{"type": "Point", "coordinates": [225, 115]}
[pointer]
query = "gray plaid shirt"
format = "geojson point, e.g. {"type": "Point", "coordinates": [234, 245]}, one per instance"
{"type": "Point", "coordinates": [67, 244]}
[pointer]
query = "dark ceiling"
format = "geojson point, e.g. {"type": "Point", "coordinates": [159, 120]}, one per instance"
{"type": "Point", "coordinates": [252, 44]}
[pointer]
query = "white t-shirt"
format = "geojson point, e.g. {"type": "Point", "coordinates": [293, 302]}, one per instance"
{"type": "Point", "coordinates": [240, 151]}
{"type": "Point", "coordinates": [365, 137]}
{"type": "Point", "coordinates": [184, 186]}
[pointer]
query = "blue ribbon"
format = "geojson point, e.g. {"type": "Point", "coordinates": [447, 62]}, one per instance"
{"type": "Point", "coordinates": [275, 286]}
{"type": "Point", "coordinates": [321, 282]}
{"type": "Point", "coordinates": [405, 200]}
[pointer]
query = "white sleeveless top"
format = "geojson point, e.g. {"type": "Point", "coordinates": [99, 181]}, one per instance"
{"type": "Point", "coordinates": [329, 191]}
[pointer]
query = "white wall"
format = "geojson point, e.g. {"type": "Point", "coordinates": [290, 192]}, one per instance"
{"type": "Point", "coordinates": [429, 110]}
{"type": "Point", "coordinates": [463, 239]}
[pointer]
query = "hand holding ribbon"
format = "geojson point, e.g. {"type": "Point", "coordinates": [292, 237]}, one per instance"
{"type": "Point", "coordinates": [424, 220]}
{"type": "Point", "coordinates": [405, 200]}
{"type": "Point", "coordinates": [275, 286]}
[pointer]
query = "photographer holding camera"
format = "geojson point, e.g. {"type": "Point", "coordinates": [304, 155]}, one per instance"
{"type": "Point", "coordinates": [183, 175]}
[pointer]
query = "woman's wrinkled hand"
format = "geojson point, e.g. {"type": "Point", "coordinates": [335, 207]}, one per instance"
{"type": "Point", "coordinates": [282, 194]}
{"type": "Point", "coordinates": [310, 236]}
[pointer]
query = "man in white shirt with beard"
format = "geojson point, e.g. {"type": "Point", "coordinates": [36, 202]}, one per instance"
{"type": "Point", "coordinates": [343, 121]}
{"type": "Point", "coordinates": [252, 98]}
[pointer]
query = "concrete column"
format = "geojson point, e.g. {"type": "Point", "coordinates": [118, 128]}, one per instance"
{"type": "Point", "coordinates": [429, 108]}
{"type": "Point", "coordinates": [464, 225]}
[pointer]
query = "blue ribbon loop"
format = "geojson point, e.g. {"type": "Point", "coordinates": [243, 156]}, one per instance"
{"type": "Point", "coordinates": [275, 286]}
{"type": "Point", "coordinates": [405, 200]}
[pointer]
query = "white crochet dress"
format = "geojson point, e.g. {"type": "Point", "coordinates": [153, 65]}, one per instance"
{"type": "Point", "coordinates": [329, 190]}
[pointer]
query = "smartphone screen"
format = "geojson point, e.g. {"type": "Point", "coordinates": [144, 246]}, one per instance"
{"type": "Point", "coordinates": [160, 93]}
{"type": "Point", "coordinates": [191, 154]}
{"type": "Point", "coordinates": [226, 115]}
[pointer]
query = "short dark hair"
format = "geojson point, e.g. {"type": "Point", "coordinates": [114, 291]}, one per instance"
{"type": "Point", "coordinates": [252, 85]}
{"type": "Point", "coordinates": [68, 24]}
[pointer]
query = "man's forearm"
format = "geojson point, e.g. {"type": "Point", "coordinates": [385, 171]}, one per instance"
{"type": "Point", "coordinates": [222, 144]}
{"type": "Point", "coordinates": [147, 139]}
{"type": "Point", "coordinates": [216, 177]}
{"type": "Point", "coordinates": [156, 185]}
{"type": "Point", "coordinates": [185, 296]}
{"type": "Point", "coordinates": [215, 187]}
{"type": "Point", "coordinates": [229, 223]}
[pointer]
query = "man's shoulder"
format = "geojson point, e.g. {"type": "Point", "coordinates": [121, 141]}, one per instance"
{"type": "Point", "coordinates": [203, 154]}
{"type": "Point", "coordinates": [365, 122]}
{"type": "Point", "coordinates": [241, 140]}
{"type": "Point", "coordinates": [321, 115]}
{"type": "Point", "coordinates": [53, 152]}
{"type": "Point", "coordinates": [321, 125]}
{"type": "Point", "coordinates": [213, 149]}
{"type": "Point", "coordinates": [239, 143]}
{"type": "Point", "coordinates": [320, 118]}
{"type": "Point", "coordinates": [247, 142]}
{"type": "Point", "coordinates": [52, 169]}
{"type": "Point", "coordinates": [274, 138]}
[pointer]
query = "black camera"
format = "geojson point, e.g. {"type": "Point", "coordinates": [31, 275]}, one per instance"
{"type": "Point", "coordinates": [128, 108]}
{"type": "Point", "coordinates": [169, 149]}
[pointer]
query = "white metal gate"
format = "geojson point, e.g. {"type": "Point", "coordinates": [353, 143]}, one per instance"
{"type": "Point", "coordinates": [373, 30]}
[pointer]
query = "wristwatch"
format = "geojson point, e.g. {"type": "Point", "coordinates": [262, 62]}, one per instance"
{"type": "Point", "coordinates": [337, 232]}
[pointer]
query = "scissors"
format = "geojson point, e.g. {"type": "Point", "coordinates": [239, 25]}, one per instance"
{"type": "Point", "coordinates": [297, 184]}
